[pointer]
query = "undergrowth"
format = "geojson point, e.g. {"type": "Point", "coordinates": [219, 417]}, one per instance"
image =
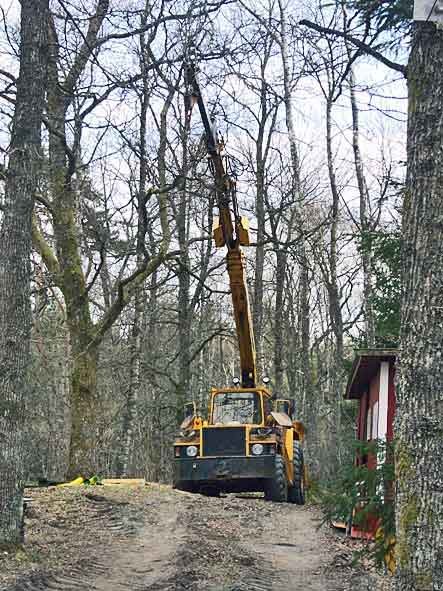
{"type": "Point", "coordinates": [363, 496]}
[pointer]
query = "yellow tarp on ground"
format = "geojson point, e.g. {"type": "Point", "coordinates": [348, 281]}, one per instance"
{"type": "Point", "coordinates": [94, 480]}
{"type": "Point", "coordinates": [124, 481]}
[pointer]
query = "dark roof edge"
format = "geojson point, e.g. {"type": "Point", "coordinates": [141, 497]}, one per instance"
{"type": "Point", "coordinates": [376, 352]}
{"type": "Point", "coordinates": [361, 353]}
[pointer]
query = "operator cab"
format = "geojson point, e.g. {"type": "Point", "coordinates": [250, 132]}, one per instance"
{"type": "Point", "coordinates": [237, 407]}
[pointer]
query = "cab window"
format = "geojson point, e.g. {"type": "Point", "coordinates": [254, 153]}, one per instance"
{"type": "Point", "coordinates": [237, 407]}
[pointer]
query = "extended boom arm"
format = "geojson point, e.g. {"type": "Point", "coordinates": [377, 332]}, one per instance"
{"type": "Point", "coordinates": [232, 232]}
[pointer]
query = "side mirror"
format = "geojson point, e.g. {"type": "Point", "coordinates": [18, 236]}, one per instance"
{"type": "Point", "coordinates": [190, 409]}
{"type": "Point", "coordinates": [284, 406]}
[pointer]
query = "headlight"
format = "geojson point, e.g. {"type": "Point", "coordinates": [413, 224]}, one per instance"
{"type": "Point", "coordinates": [191, 451]}
{"type": "Point", "coordinates": [257, 449]}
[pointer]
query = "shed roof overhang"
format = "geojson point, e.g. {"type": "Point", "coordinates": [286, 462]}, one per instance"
{"type": "Point", "coordinates": [364, 367]}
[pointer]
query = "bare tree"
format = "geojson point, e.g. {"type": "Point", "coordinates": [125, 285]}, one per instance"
{"type": "Point", "coordinates": [419, 437]}
{"type": "Point", "coordinates": [22, 179]}
{"type": "Point", "coordinates": [63, 258]}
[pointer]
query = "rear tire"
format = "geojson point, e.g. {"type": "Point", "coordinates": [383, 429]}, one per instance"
{"type": "Point", "coordinates": [297, 491]}
{"type": "Point", "coordinates": [276, 489]}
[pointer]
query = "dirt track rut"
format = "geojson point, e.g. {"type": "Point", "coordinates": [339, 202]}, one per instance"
{"type": "Point", "coordinates": [177, 541]}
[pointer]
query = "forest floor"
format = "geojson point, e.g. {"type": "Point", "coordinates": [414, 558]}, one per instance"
{"type": "Point", "coordinates": [158, 539]}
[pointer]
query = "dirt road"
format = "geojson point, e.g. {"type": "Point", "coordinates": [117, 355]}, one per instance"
{"type": "Point", "coordinates": [163, 540]}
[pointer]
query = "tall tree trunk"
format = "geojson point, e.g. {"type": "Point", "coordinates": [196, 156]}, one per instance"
{"type": "Point", "coordinates": [22, 180]}
{"type": "Point", "coordinates": [279, 323]}
{"type": "Point", "coordinates": [419, 428]}
{"type": "Point", "coordinates": [184, 308]}
{"type": "Point", "coordinates": [125, 463]}
{"type": "Point", "coordinates": [132, 394]}
{"type": "Point", "coordinates": [257, 314]}
{"type": "Point", "coordinates": [365, 222]}
{"type": "Point", "coordinates": [71, 278]}
{"type": "Point", "coordinates": [66, 264]}
{"type": "Point", "coordinates": [335, 312]}
{"type": "Point", "coordinates": [304, 309]}
{"type": "Point", "coordinates": [260, 160]}
{"type": "Point", "coordinates": [152, 356]}
{"type": "Point", "coordinates": [332, 283]}
{"type": "Point", "coordinates": [305, 328]}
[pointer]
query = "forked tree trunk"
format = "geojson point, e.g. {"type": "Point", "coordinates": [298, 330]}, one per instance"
{"type": "Point", "coordinates": [419, 427]}
{"type": "Point", "coordinates": [22, 180]}
{"type": "Point", "coordinates": [65, 265]}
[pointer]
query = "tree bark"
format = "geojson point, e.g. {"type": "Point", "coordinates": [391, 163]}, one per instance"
{"type": "Point", "coordinates": [419, 430]}
{"type": "Point", "coordinates": [15, 268]}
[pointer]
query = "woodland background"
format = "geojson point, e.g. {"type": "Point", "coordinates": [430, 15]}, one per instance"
{"type": "Point", "coordinates": [131, 314]}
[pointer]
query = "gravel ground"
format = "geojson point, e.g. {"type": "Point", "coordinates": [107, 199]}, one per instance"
{"type": "Point", "coordinates": [157, 539]}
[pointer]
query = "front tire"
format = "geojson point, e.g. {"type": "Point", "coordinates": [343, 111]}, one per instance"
{"type": "Point", "coordinates": [276, 488]}
{"type": "Point", "coordinates": [297, 491]}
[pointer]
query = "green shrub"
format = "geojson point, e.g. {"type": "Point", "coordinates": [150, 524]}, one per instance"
{"type": "Point", "coordinates": [359, 493]}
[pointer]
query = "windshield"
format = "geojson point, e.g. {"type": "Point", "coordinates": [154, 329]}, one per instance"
{"type": "Point", "coordinates": [237, 407]}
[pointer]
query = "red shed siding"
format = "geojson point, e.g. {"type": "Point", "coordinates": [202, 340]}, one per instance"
{"type": "Point", "coordinates": [372, 377]}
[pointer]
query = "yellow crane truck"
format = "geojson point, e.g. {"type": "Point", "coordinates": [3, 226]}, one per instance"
{"type": "Point", "coordinates": [249, 441]}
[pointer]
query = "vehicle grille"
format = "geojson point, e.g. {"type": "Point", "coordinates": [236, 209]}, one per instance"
{"type": "Point", "coordinates": [224, 441]}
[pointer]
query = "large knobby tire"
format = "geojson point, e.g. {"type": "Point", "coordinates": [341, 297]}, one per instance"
{"type": "Point", "coordinates": [296, 492]}
{"type": "Point", "coordinates": [276, 488]}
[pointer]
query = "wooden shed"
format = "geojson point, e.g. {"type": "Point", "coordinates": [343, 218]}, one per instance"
{"type": "Point", "coordinates": [371, 382]}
